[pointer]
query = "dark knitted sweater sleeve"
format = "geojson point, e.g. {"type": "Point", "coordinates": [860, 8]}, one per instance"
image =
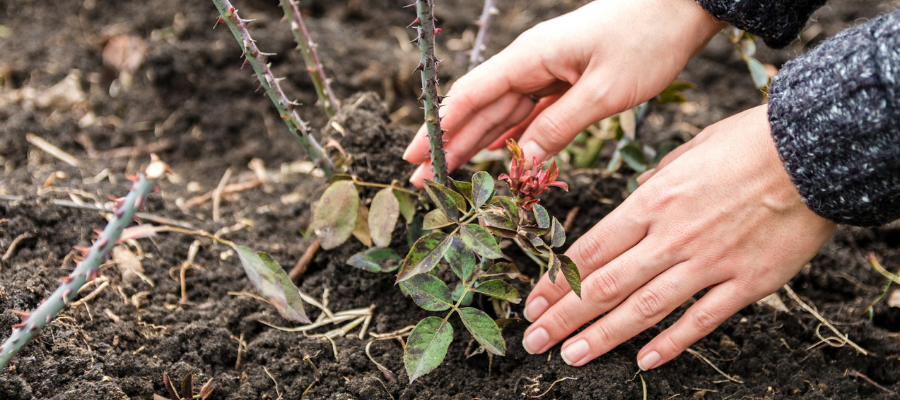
{"type": "Point", "coordinates": [778, 22]}
{"type": "Point", "coordinates": [835, 118]}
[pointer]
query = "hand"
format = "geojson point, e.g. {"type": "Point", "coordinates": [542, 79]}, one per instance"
{"type": "Point", "coordinates": [601, 59]}
{"type": "Point", "coordinates": [719, 212]}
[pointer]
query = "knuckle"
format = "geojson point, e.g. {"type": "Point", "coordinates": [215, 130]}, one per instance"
{"type": "Point", "coordinates": [704, 320]}
{"type": "Point", "coordinates": [602, 287]}
{"type": "Point", "coordinates": [600, 336]}
{"type": "Point", "coordinates": [552, 128]}
{"type": "Point", "coordinates": [655, 199]}
{"type": "Point", "coordinates": [648, 304]}
{"type": "Point", "coordinates": [589, 250]}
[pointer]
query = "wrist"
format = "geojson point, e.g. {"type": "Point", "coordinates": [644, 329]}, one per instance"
{"type": "Point", "coordinates": [697, 25]}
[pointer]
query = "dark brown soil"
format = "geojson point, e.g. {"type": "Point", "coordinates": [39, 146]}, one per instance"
{"type": "Point", "coordinates": [190, 92]}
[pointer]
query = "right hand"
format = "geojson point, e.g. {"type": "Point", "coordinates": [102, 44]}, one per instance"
{"type": "Point", "coordinates": [601, 59]}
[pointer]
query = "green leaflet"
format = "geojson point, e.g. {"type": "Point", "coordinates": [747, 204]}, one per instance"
{"type": "Point", "coordinates": [436, 219]}
{"type": "Point", "coordinates": [541, 216]}
{"type": "Point", "coordinates": [508, 204]}
{"type": "Point", "coordinates": [465, 188]}
{"type": "Point", "coordinates": [273, 284]}
{"type": "Point", "coordinates": [335, 215]}
{"type": "Point", "coordinates": [482, 188]}
{"type": "Point", "coordinates": [427, 346]}
{"type": "Point", "coordinates": [407, 205]}
{"type": "Point", "coordinates": [383, 215]}
{"type": "Point", "coordinates": [428, 292]}
{"type": "Point", "coordinates": [450, 202]}
{"type": "Point", "coordinates": [480, 241]}
{"type": "Point", "coordinates": [483, 329]}
{"type": "Point", "coordinates": [555, 264]}
{"type": "Point", "coordinates": [461, 259]}
{"type": "Point", "coordinates": [372, 259]}
{"type": "Point", "coordinates": [634, 157]}
{"type": "Point", "coordinates": [501, 268]}
{"type": "Point", "coordinates": [570, 271]}
{"type": "Point", "coordinates": [499, 289]}
{"type": "Point", "coordinates": [424, 255]}
{"type": "Point", "coordinates": [557, 234]}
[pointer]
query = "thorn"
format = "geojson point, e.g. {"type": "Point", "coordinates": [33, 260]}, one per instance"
{"type": "Point", "coordinates": [93, 276]}
{"type": "Point", "coordinates": [219, 21]}
{"type": "Point", "coordinates": [19, 326]}
{"type": "Point", "coordinates": [417, 22]}
{"type": "Point", "coordinates": [22, 314]}
{"type": "Point", "coordinates": [416, 40]}
{"type": "Point", "coordinates": [133, 178]}
{"type": "Point", "coordinates": [65, 279]}
{"type": "Point", "coordinates": [264, 54]}
{"type": "Point", "coordinates": [257, 89]}
{"type": "Point", "coordinates": [409, 5]}
{"type": "Point", "coordinates": [420, 67]}
{"type": "Point", "coordinates": [98, 231]}
{"type": "Point", "coordinates": [246, 62]}
{"type": "Point", "coordinates": [102, 243]}
{"type": "Point", "coordinates": [247, 20]}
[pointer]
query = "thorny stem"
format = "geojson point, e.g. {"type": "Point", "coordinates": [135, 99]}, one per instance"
{"type": "Point", "coordinates": [267, 81]}
{"type": "Point", "coordinates": [313, 66]}
{"type": "Point", "coordinates": [428, 63]}
{"type": "Point", "coordinates": [484, 30]}
{"type": "Point", "coordinates": [87, 269]}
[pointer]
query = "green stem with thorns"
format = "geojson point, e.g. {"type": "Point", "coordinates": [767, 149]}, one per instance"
{"type": "Point", "coordinates": [87, 269]}
{"type": "Point", "coordinates": [316, 72]}
{"type": "Point", "coordinates": [267, 81]}
{"type": "Point", "coordinates": [428, 65]}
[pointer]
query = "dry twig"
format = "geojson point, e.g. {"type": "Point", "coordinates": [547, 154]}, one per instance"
{"type": "Point", "coordinates": [217, 195]}
{"type": "Point", "coordinates": [697, 354]}
{"type": "Point", "coordinates": [304, 261]}
{"type": "Point", "coordinates": [52, 150]}
{"type": "Point", "coordinates": [824, 321]}
{"type": "Point", "coordinates": [12, 246]}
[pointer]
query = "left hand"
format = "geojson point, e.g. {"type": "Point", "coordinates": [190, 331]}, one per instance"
{"type": "Point", "coordinates": [719, 212]}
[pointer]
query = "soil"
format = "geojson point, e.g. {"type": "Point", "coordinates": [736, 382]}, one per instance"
{"type": "Point", "coordinates": [190, 97]}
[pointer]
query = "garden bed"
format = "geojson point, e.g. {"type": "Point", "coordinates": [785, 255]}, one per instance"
{"type": "Point", "coordinates": [192, 105]}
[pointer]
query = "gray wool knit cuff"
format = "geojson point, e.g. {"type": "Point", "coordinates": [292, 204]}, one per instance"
{"type": "Point", "coordinates": [835, 118]}
{"type": "Point", "coordinates": [778, 22]}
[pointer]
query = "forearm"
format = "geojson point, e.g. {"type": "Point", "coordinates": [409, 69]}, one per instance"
{"type": "Point", "coordinates": [835, 118]}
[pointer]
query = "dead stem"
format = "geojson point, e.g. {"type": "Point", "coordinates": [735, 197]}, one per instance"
{"type": "Point", "coordinates": [72, 204]}
{"type": "Point", "coordinates": [54, 151]}
{"type": "Point", "coordinates": [697, 354]}
{"type": "Point", "coordinates": [12, 246]}
{"type": "Point", "coordinates": [304, 261]}
{"type": "Point", "coordinates": [317, 376]}
{"type": "Point", "coordinates": [858, 374]}
{"type": "Point", "coordinates": [277, 390]}
{"type": "Point", "coordinates": [228, 189]}
{"type": "Point", "coordinates": [90, 296]}
{"type": "Point", "coordinates": [217, 195]}
{"type": "Point", "coordinates": [821, 319]}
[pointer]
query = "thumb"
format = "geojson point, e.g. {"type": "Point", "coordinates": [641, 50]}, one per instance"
{"type": "Point", "coordinates": [555, 127]}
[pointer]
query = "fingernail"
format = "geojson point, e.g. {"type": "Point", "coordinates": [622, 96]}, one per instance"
{"type": "Point", "coordinates": [575, 352]}
{"type": "Point", "coordinates": [532, 149]}
{"type": "Point", "coordinates": [405, 154]}
{"type": "Point", "coordinates": [535, 341]}
{"type": "Point", "coordinates": [535, 309]}
{"type": "Point", "coordinates": [650, 361]}
{"type": "Point", "coordinates": [416, 174]}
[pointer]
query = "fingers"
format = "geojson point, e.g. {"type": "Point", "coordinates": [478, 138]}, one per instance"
{"type": "Point", "coordinates": [555, 127]}
{"type": "Point", "coordinates": [510, 110]}
{"type": "Point", "coordinates": [621, 230]}
{"type": "Point", "coordinates": [641, 310]}
{"type": "Point", "coordinates": [699, 320]}
{"type": "Point", "coordinates": [601, 291]}
{"type": "Point", "coordinates": [516, 131]}
{"type": "Point", "coordinates": [513, 70]}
